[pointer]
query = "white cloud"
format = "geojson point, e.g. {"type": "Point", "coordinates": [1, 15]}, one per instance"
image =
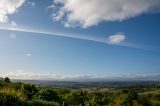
{"type": "Point", "coordinates": [51, 7]}
{"type": "Point", "coordinates": [31, 3]}
{"type": "Point", "coordinates": [8, 7]}
{"type": "Point", "coordinates": [13, 23]}
{"type": "Point", "coordinates": [21, 74]}
{"type": "Point", "coordinates": [116, 39]}
{"type": "Point", "coordinates": [86, 13]}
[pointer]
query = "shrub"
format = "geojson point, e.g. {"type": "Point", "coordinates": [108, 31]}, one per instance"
{"type": "Point", "coordinates": [7, 80]}
{"type": "Point", "coordinates": [145, 100]}
{"type": "Point", "coordinates": [47, 94]}
{"type": "Point", "coordinates": [40, 102]}
{"type": "Point", "coordinates": [155, 103]}
{"type": "Point", "coordinates": [29, 90]}
{"type": "Point", "coordinates": [11, 97]}
{"type": "Point", "coordinates": [2, 83]}
{"type": "Point", "coordinates": [157, 96]}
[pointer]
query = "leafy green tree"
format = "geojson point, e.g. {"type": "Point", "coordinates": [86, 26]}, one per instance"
{"type": "Point", "coordinates": [144, 100]}
{"type": "Point", "coordinates": [7, 80]}
{"type": "Point", "coordinates": [29, 90]}
{"type": "Point", "coordinates": [47, 94]}
{"type": "Point", "coordinates": [17, 85]}
{"type": "Point", "coordinates": [82, 98]}
{"type": "Point", "coordinates": [72, 98]}
{"type": "Point", "coordinates": [131, 98]}
{"type": "Point", "coordinates": [99, 99]}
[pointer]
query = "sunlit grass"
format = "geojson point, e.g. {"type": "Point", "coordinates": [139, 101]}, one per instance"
{"type": "Point", "coordinates": [9, 96]}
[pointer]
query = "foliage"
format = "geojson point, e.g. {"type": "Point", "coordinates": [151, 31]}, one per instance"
{"type": "Point", "coordinates": [100, 99]}
{"type": "Point", "coordinates": [11, 97]}
{"type": "Point", "coordinates": [22, 94]}
{"type": "Point", "coordinates": [72, 98]}
{"type": "Point", "coordinates": [40, 102]}
{"type": "Point", "coordinates": [7, 80]}
{"type": "Point", "coordinates": [29, 90]}
{"type": "Point", "coordinates": [2, 83]}
{"type": "Point", "coordinates": [144, 100]}
{"type": "Point", "coordinates": [156, 103]}
{"type": "Point", "coordinates": [47, 94]}
{"type": "Point", "coordinates": [131, 98]}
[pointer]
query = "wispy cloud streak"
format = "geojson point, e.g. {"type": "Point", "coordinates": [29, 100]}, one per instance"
{"type": "Point", "coordinates": [17, 29]}
{"type": "Point", "coordinates": [75, 36]}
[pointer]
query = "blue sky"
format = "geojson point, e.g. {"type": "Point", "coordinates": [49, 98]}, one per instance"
{"type": "Point", "coordinates": [45, 39]}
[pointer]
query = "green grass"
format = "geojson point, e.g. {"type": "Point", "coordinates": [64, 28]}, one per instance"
{"type": "Point", "coordinates": [11, 97]}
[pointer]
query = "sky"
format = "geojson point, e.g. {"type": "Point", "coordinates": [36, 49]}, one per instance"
{"type": "Point", "coordinates": [79, 39]}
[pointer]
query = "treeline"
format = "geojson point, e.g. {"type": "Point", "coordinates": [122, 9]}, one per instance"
{"type": "Point", "coordinates": [23, 94]}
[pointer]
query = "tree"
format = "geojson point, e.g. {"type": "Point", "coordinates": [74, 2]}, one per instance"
{"type": "Point", "coordinates": [118, 101]}
{"type": "Point", "coordinates": [82, 97]}
{"type": "Point", "coordinates": [47, 94]}
{"type": "Point", "coordinates": [72, 98]}
{"type": "Point", "coordinates": [131, 98]}
{"type": "Point", "coordinates": [7, 80]}
{"type": "Point", "coordinates": [29, 90]}
{"type": "Point", "coordinates": [145, 100]}
{"type": "Point", "coordinates": [99, 99]}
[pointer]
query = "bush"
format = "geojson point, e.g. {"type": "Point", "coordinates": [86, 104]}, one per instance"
{"type": "Point", "coordinates": [145, 100]}
{"type": "Point", "coordinates": [156, 103]}
{"type": "Point", "coordinates": [40, 102]}
{"type": "Point", "coordinates": [11, 97]}
{"type": "Point", "coordinates": [2, 83]}
{"type": "Point", "coordinates": [7, 80]}
{"type": "Point", "coordinates": [47, 94]}
{"type": "Point", "coordinates": [157, 96]}
{"type": "Point", "coordinates": [29, 90]}
{"type": "Point", "coordinates": [75, 98]}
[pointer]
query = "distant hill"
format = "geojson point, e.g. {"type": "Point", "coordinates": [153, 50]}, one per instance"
{"type": "Point", "coordinates": [78, 84]}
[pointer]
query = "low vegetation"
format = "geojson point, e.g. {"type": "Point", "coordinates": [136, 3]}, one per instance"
{"type": "Point", "coordinates": [25, 94]}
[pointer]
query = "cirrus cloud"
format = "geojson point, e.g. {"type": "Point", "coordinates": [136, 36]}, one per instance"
{"type": "Point", "coordinates": [86, 13]}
